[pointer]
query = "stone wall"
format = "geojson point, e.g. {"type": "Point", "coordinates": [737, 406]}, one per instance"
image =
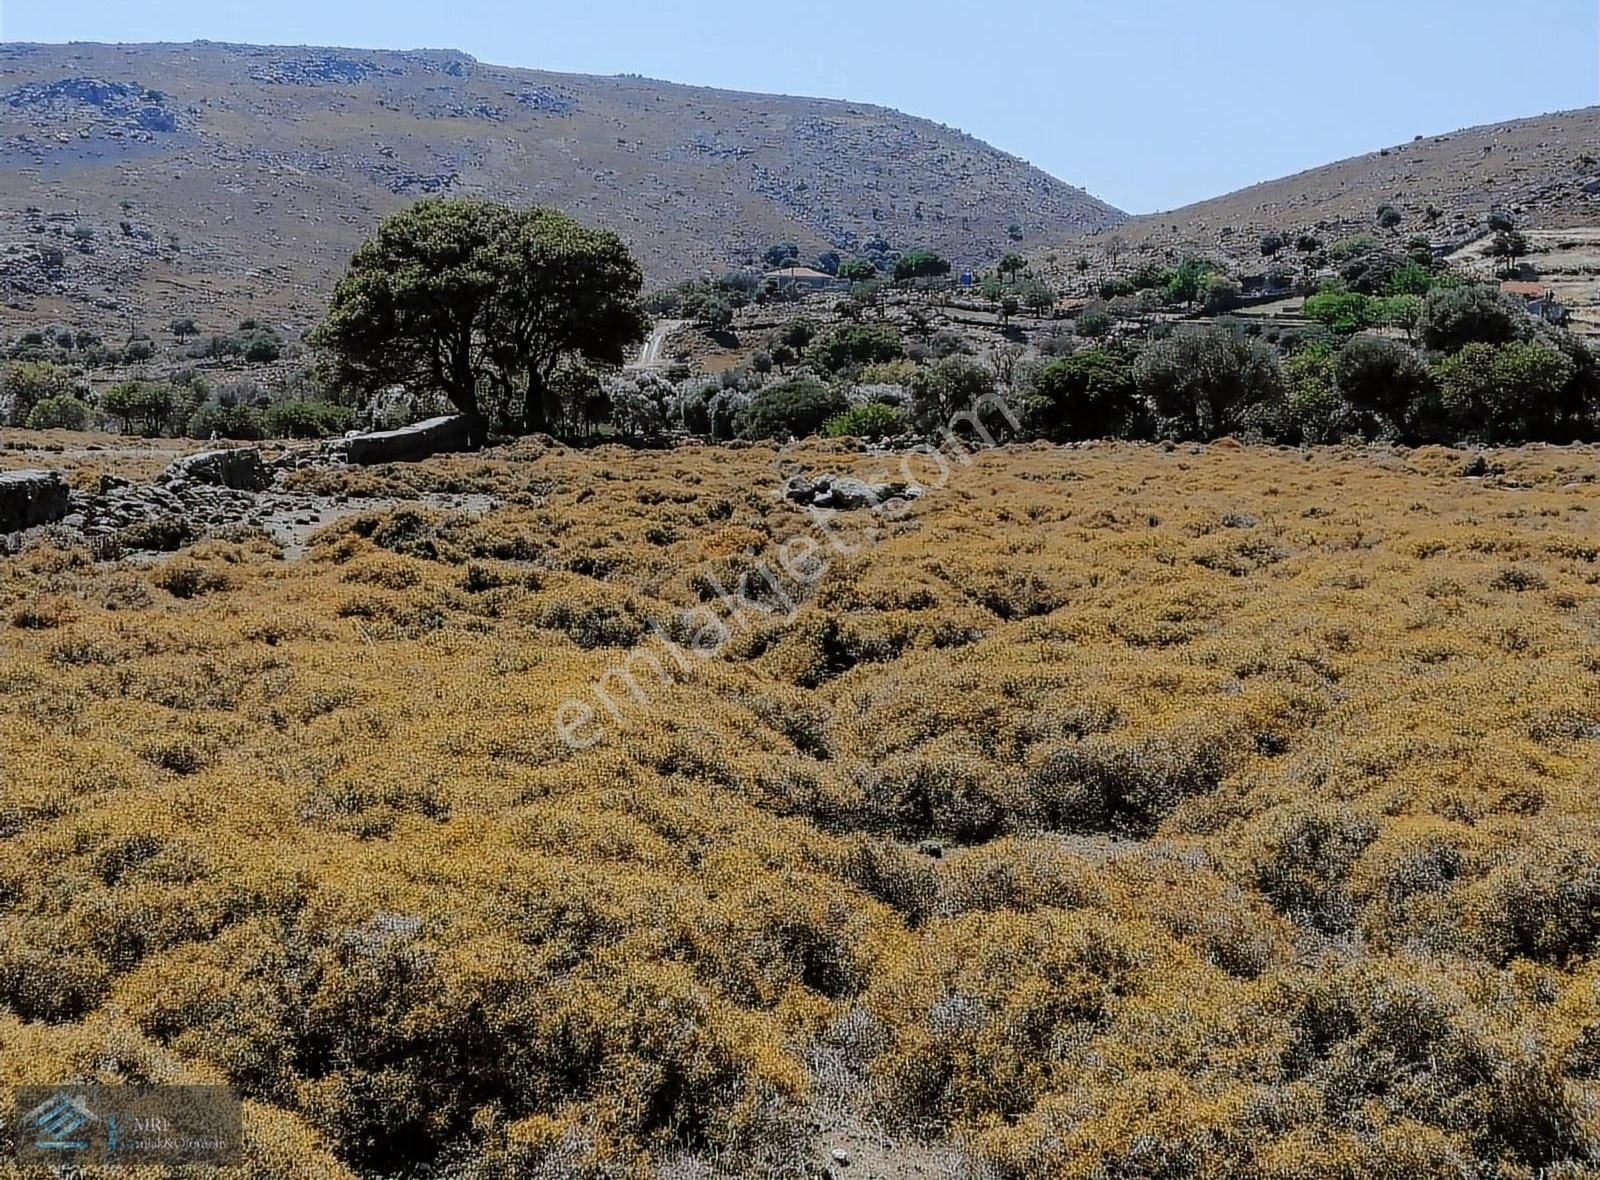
{"type": "Point", "coordinates": [240, 469]}
{"type": "Point", "coordinates": [30, 498]}
{"type": "Point", "coordinates": [436, 436]}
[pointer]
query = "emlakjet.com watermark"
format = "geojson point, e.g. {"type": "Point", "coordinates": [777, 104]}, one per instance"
{"type": "Point", "coordinates": [766, 590]}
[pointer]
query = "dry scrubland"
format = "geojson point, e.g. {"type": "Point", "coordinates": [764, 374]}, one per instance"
{"type": "Point", "coordinates": [82, 458]}
{"type": "Point", "coordinates": [1264, 781]}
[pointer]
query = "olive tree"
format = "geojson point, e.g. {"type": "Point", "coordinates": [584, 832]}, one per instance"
{"type": "Point", "coordinates": [1387, 381]}
{"type": "Point", "coordinates": [1090, 394]}
{"type": "Point", "coordinates": [1208, 382]}
{"type": "Point", "coordinates": [1453, 317]}
{"type": "Point", "coordinates": [483, 304]}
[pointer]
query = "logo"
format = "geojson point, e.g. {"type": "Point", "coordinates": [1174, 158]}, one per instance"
{"type": "Point", "coordinates": [158, 1126]}
{"type": "Point", "coordinates": [56, 1120]}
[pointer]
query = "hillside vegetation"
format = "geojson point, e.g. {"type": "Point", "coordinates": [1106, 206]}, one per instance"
{"type": "Point", "coordinates": [1119, 811]}
{"type": "Point", "coordinates": [229, 182]}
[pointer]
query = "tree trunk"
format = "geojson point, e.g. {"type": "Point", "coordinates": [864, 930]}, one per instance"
{"type": "Point", "coordinates": [534, 418]}
{"type": "Point", "coordinates": [477, 430]}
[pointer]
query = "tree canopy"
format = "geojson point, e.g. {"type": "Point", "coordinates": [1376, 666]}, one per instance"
{"type": "Point", "coordinates": [483, 303]}
{"type": "Point", "coordinates": [920, 264]}
{"type": "Point", "coordinates": [1090, 394]}
{"type": "Point", "coordinates": [1203, 382]}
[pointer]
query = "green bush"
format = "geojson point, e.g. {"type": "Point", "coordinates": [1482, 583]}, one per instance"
{"type": "Point", "coordinates": [1386, 380]}
{"type": "Point", "coordinates": [1508, 393]}
{"type": "Point", "coordinates": [27, 383]}
{"type": "Point", "coordinates": [709, 310]}
{"type": "Point", "coordinates": [252, 344]}
{"type": "Point", "coordinates": [306, 419]}
{"type": "Point", "coordinates": [1151, 276]}
{"type": "Point", "coordinates": [665, 302]}
{"type": "Point", "coordinates": [920, 264]}
{"type": "Point", "coordinates": [1345, 312]}
{"type": "Point", "coordinates": [1221, 294]}
{"type": "Point", "coordinates": [1454, 317]}
{"type": "Point", "coordinates": [946, 388]}
{"type": "Point", "coordinates": [1188, 283]}
{"type": "Point", "coordinates": [1371, 273]}
{"type": "Point", "coordinates": [1094, 322]}
{"type": "Point", "coordinates": [1090, 394]}
{"type": "Point", "coordinates": [59, 413]}
{"type": "Point", "coordinates": [1413, 278]}
{"type": "Point", "coordinates": [1396, 311]}
{"type": "Point", "coordinates": [1208, 382]}
{"type": "Point", "coordinates": [1312, 411]}
{"type": "Point", "coordinates": [857, 345]}
{"type": "Point", "coordinates": [797, 334]}
{"type": "Point", "coordinates": [149, 405]}
{"type": "Point", "coordinates": [800, 407]}
{"type": "Point", "coordinates": [873, 420]}
{"type": "Point", "coordinates": [236, 422]}
{"type": "Point", "coordinates": [1346, 249]}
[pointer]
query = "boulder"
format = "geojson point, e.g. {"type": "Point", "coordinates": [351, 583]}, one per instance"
{"type": "Point", "coordinates": [30, 498]}
{"type": "Point", "coordinates": [842, 493]}
{"type": "Point", "coordinates": [436, 436]}
{"type": "Point", "coordinates": [240, 469]}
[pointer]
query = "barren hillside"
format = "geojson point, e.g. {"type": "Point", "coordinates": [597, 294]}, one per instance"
{"type": "Point", "coordinates": [225, 180]}
{"type": "Point", "coordinates": [1542, 169]}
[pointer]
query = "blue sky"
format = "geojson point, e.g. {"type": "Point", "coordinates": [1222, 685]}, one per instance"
{"type": "Point", "coordinates": [1147, 103]}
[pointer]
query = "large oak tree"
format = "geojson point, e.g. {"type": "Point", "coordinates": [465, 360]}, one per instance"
{"type": "Point", "coordinates": [483, 303]}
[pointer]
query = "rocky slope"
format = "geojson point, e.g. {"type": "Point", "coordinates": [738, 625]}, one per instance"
{"type": "Point", "coordinates": [1544, 170]}
{"type": "Point", "coordinates": [223, 180]}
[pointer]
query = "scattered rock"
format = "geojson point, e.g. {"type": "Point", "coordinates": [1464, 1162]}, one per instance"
{"type": "Point", "coordinates": [842, 493]}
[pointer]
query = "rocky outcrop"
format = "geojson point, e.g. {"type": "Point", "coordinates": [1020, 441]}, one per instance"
{"type": "Point", "coordinates": [842, 493]}
{"type": "Point", "coordinates": [31, 498]}
{"type": "Point", "coordinates": [240, 469]}
{"type": "Point", "coordinates": [436, 436]}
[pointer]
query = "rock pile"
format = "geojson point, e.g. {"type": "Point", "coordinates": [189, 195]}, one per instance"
{"type": "Point", "coordinates": [842, 493]}
{"type": "Point", "coordinates": [212, 493]}
{"type": "Point", "coordinates": [127, 511]}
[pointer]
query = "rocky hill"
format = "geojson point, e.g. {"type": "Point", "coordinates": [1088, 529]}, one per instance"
{"type": "Point", "coordinates": [221, 181]}
{"type": "Point", "coordinates": [1543, 170]}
